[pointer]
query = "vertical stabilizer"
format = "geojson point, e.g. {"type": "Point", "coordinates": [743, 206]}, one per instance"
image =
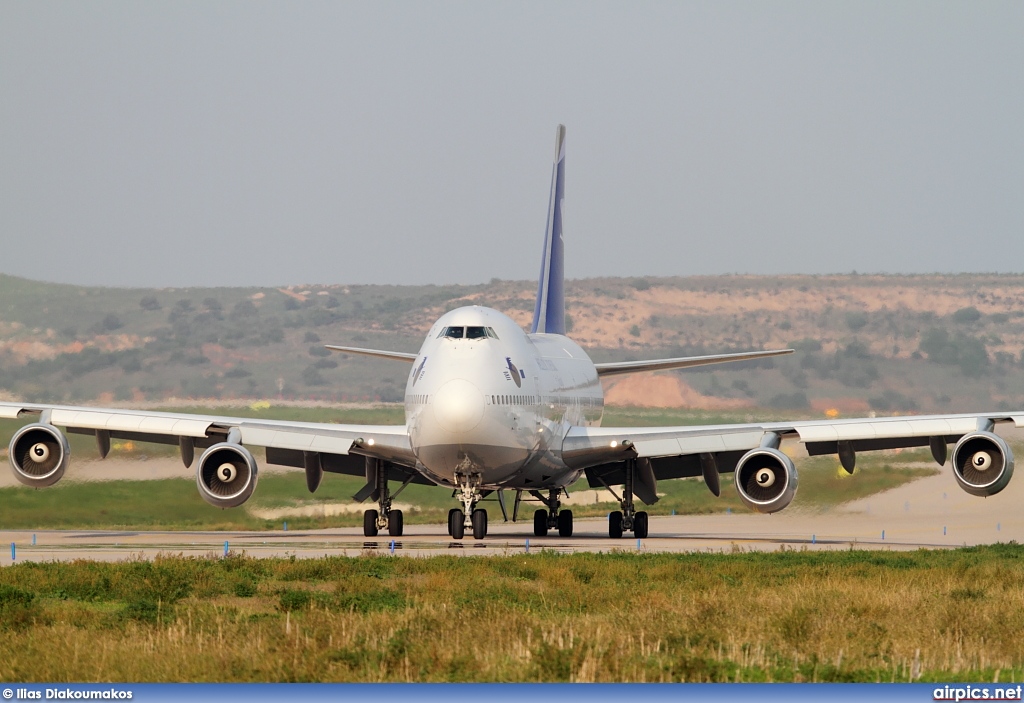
{"type": "Point", "coordinates": [549, 314]}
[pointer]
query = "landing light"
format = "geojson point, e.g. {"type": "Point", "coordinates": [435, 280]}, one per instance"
{"type": "Point", "coordinates": [370, 441]}
{"type": "Point", "coordinates": [614, 444]}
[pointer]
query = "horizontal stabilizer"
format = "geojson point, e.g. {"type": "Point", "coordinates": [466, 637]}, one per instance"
{"type": "Point", "coordinates": [394, 356]}
{"type": "Point", "coordinates": [684, 362]}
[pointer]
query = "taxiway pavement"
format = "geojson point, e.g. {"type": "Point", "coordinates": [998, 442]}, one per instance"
{"type": "Point", "coordinates": [929, 513]}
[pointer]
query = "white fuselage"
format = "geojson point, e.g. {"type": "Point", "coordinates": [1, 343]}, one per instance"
{"type": "Point", "coordinates": [485, 398]}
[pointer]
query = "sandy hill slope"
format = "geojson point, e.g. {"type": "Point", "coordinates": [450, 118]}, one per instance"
{"type": "Point", "coordinates": [882, 343]}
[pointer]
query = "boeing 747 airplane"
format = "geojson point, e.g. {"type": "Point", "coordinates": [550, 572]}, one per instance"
{"type": "Point", "coordinates": [492, 409]}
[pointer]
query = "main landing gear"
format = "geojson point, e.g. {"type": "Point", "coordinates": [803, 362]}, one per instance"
{"type": "Point", "coordinates": [469, 493]}
{"type": "Point", "coordinates": [627, 519]}
{"type": "Point", "coordinates": [553, 517]}
{"type": "Point", "coordinates": [384, 518]}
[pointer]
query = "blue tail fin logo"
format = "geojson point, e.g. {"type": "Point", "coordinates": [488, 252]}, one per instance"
{"type": "Point", "coordinates": [549, 313]}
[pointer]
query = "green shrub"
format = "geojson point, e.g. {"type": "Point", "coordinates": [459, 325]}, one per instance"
{"type": "Point", "coordinates": [967, 352]}
{"type": "Point", "coordinates": [371, 601]}
{"type": "Point", "coordinates": [789, 401]}
{"type": "Point", "coordinates": [245, 589]}
{"type": "Point", "coordinates": [856, 319]}
{"type": "Point", "coordinates": [294, 600]}
{"type": "Point", "coordinates": [142, 610]}
{"type": "Point", "coordinates": [18, 607]}
{"type": "Point", "coordinates": [970, 314]}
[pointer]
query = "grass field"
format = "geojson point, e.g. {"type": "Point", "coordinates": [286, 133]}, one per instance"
{"type": "Point", "coordinates": [788, 616]}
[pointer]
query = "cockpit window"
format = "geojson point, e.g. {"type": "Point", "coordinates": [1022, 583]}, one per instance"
{"type": "Point", "coordinates": [468, 333]}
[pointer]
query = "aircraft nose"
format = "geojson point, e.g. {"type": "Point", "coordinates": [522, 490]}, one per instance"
{"type": "Point", "coordinates": [458, 406]}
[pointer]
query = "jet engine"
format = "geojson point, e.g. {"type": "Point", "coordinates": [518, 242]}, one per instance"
{"type": "Point", "coordinates": [766, 480]}
{"type": "Point", "coordinates": [982, 463]}
{"type": "Point", "coordinates": [226, 475]}
{"type": "Point", "coordinates": [39, 454]}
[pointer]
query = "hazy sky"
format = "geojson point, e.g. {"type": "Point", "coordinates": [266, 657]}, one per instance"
{"type": "Point", "coordinates": [232, 143]}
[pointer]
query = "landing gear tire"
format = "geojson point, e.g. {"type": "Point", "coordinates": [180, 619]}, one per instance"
{"type": "Point", "coordinates": [565, 523]}
{"type": "Point", "coordinates": [370, 523]}
{"type": "Point", "coordinates": [640, 525]}
{"type": "Point", "coordinates": [450, 514]}
{"type": "Point", "coordinates": [540, 523]}
{"type": "Point", "coordinates": [479, 519]}
{"type": "Point", "coordinates": [457, 524]}
{"type": "Point", "coordinates": [615, 524]}
{"type": "Point", "coordinates": [395, 523]}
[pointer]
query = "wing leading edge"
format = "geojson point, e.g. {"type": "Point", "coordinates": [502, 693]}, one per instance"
{"type": "Point", "coordinates": [378, 353]}
{"type": "Point", "coordinates": [683, 362]}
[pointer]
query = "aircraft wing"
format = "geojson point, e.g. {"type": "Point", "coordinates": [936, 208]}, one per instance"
{"type": "Point", "coordinates": [376, 353]}
{"type": "Point", "coordinates": [342, 448]}
{"type": "Point", "coordinates": [678, 452]}
{"type": "Point", "coordinates": [684, 362]}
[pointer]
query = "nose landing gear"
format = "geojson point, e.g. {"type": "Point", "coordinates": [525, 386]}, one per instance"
{"type": "Point", "coordinates": [469, 494]}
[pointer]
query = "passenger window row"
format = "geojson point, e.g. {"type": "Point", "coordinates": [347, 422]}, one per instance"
{"type": "Point", "coordinates": [515, 400]}
{"type": "Point", "coordinates": [584, 401]}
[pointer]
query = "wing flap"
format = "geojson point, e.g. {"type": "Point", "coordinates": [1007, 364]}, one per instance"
{"type": "Point", "coordinates": [872, 428]}
{"type": "Point", "coordinates": [722, 442]}
{"type": "Point", "coordinates": [130, 422]}
{"type": "Point", "coordinates": [657, 447]}
{"type": "Point", "coordinates": [270, 437]}
{"type": "Point", "coordinates": [10, 412]}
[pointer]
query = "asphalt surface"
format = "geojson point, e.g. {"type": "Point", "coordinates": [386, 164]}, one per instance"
{"type": "Point", "coordinates": [929, 513]}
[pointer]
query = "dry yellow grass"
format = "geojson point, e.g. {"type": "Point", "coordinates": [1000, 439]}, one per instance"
{"type": "Point", "coordinates": [841, 616]}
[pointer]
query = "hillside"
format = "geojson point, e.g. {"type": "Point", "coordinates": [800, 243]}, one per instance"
{"type": "Point", "coordinates": [883, 343]}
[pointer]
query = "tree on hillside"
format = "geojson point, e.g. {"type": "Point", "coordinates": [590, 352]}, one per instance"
{"type": "Point", "coordinates": [967, 352]}
{"type": "Point", "coordinates": [244, 309]}
{"type": "Point", "coordinates": [971, 314]}
{"type": "Point", "coordinates": [112, 322]}
{"type": "Point", "coordinates": [856, 319]}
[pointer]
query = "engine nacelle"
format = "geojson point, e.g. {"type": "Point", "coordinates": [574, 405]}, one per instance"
{"type": "Point", "coordinates": [982, 463]}
{"type": "Point", "coordinates": [39, 454]}
{"type": "Point", "coordinates": [226, 475]}
{"type": "Point", "coordinates": [766, 480]}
